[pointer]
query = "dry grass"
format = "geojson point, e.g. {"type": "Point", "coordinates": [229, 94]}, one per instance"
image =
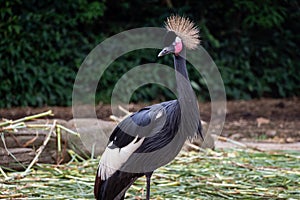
{"type": "Point", "coordinates": [230, 174]}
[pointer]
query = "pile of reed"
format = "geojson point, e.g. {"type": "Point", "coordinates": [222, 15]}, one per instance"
{"type": "Point", "coordinates": [226, 174]}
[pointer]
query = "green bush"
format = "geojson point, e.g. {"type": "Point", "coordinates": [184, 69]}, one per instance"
{"type": "Point", "coordinates": [42, 45]}
{"type": "Point", "coordinates": [255, 45]}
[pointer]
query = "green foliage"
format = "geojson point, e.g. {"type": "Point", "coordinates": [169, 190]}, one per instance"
{"type": "Point", "coordinates": [128, 62]}
{"type": "Point", "coordinates": [255, 45]}
{"type": "Point", "coordinates": [261, 13]}
{"type": "Point", "coordinates": [42, 45]}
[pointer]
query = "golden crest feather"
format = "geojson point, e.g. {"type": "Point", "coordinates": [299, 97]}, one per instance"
{"type": "Point", "coordinates": [185, 29]}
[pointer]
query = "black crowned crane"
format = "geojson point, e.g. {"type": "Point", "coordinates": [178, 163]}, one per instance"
{"type": "Point", "coordinates": [153, 136]}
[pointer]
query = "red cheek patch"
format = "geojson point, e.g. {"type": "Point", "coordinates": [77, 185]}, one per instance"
{"type": "Point", "coordinates": [178, 47]}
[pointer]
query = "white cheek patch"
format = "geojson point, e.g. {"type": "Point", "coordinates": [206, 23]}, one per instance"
{"type": "Point", "coordinates": [178, 45]}
{"type": "Point", "coordinates": [177, 39]}
{"type": "Point", "coordinates": [113, 158]}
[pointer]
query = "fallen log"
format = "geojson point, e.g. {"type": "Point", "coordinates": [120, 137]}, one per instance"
{"type": "Point", "coordinates": [20, 142]}
{"type": "Point", "coordinates": [20, 145]}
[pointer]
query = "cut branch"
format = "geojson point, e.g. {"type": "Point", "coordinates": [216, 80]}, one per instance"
{"type": "Point", "coordinates": [40, 149]}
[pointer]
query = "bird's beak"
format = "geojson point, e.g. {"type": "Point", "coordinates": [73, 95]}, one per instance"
{"type": "Point", "coordinates": [166, 50]}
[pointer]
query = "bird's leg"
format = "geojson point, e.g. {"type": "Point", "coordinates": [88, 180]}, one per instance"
{"type": "Point", "coordinates": [148, 180]}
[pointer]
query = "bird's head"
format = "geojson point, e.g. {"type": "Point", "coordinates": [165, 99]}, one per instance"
{"type": "Point", "coordinates": [176, 47]}
{"type": "Point", "coordinates": [181, 34]}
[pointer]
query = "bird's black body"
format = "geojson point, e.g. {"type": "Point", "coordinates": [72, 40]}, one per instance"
{"type": "Point", "coordinates": [159, 140]}
{"type": "Point", "coordinates": [149, 138]}
{"type": "Point", "coordinates": [115, 186]}
{"type": "Point", "coordinates": [148, 117]}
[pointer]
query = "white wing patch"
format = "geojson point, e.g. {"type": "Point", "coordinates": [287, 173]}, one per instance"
{"type": "Point", "coordinates": [159, 114]}
{"type": "Point", "coordinates": [113, 159]}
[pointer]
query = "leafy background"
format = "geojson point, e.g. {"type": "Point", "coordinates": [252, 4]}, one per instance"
{"type": "Point", "coordinates": [255, 45]}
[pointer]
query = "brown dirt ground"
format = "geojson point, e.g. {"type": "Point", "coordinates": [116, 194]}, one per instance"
{"type": "Point", "coordinates": [264, 120]}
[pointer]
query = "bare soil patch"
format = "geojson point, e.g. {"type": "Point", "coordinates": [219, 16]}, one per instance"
{"type": "Point", "coordinates": [261, 120]}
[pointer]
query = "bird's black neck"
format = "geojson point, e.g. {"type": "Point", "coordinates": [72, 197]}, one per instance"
{"type": "Point", "coordinates": [186, 98]}
{"type": "Point", "coordinates": [184, 88]}
{"type": "Point", "coordinates": [180, 66]}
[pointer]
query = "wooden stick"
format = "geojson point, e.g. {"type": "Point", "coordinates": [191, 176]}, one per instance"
{"type": "Point", "coordinates": [124, 110]}
{"type": "Point", "coordinates": [224, 139]}
{"type": "Point", "coordinates": [116, 119]}
{"type": "Point", "coordinates": [40, 149]}
{"type": "Point", "coordinates": [195, 147]}
{"type": "Point", "coordinates": [68, 130]}
{"type": "Point", "coordinates": [119, 119]}
{"type": "Point", "coordinates": [14, 126]}
{"type": "Point", "coordinates": [58, 134]}
{"type": "Point", "coordinates": [49, 112]}
{"type": "Point", "coordinates": [3, 173]}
